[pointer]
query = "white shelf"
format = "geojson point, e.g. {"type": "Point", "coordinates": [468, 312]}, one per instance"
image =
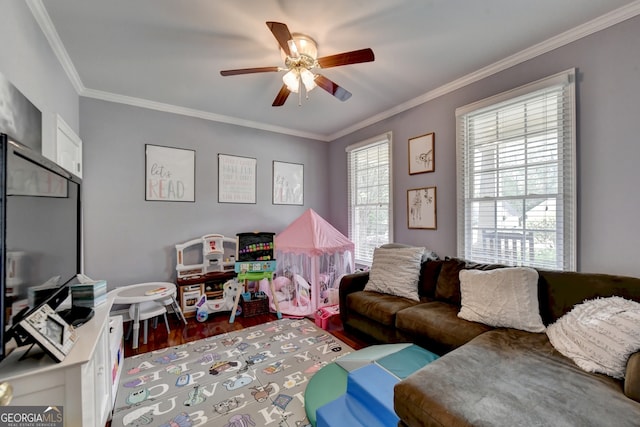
{"type": "Point", "coordinates": [81, 383]}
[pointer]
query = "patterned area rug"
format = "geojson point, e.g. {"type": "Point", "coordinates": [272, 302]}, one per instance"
{"type": "Point", "coordinates": [253, 377]}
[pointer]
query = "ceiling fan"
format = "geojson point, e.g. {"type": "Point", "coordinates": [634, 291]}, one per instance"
{"type": "Point", "coordinates": [300, 54]}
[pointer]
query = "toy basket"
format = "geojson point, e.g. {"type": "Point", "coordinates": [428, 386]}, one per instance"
{"type": "Point", "coordinates": [324, 315]}
{"type": "Point", "coordinates": [254, 306]}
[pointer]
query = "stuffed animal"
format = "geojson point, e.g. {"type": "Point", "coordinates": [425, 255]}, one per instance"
{"type": "Point", "coordinates": [303, 291]}
{"type": "Point", "coordinates": [284, 288]}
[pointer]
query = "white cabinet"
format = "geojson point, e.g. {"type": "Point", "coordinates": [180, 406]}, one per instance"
{"type": "Point", "coordinates": [68, 150]}
{"type": "Point", "coordinates": [81, 383]}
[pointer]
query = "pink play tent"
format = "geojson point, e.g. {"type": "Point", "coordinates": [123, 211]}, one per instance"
{"type": "Point", "coordinates": [312, 256]}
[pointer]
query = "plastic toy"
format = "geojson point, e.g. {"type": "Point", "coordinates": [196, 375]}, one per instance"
{"type": "Point", "coordinates": [225, 303]}
{"type": "Point", "coordinates": [218, 254]}
{"type": "Point", "coordinates": [202, 313]}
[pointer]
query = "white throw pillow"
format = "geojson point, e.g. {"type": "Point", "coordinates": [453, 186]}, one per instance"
{"type": "Point", "coordinates": [396, 271]}
{"type": "Point", "coordinates": [504, 297]}
{"type": "Point", "coordinates": [599, 335]}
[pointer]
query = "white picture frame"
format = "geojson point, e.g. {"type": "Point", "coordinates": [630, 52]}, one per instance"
{"type": "Point", "coordinates": [236, 179]}
{"type": "Point", "coordinates": [288, 183]}
{"type": "Point", "coordinates": [170, 174]}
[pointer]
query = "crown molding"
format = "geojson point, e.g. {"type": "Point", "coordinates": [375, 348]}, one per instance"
{"type": "Point", "coordinates": [48, 29]}
{"type": "Point", "coordinates": [191, 112]}
{"type": "Point", "coordinates": [612, 18]}
{"type": "Point", "coordinates": [607, 20]}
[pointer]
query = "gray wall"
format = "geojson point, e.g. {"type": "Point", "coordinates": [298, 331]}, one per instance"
{"type": "Point", "coordinates": [608, 99]}
{"type": "Point", "coordinates": [27, 61]}
{"type": "Point", "coordinates": [130, 240]}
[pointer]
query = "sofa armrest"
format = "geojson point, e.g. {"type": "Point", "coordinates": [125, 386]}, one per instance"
{"type": "Point", "coordinates": [632, 377]}
{"type": "Point", "coordinates": [349, 284]}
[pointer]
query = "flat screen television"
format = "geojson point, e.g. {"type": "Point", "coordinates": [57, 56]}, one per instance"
{"type": "Point", "coordinates": [40, 232]}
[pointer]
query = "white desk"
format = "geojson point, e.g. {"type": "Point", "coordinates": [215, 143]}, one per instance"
{"type": "Point", "coordinates": [141, 292]}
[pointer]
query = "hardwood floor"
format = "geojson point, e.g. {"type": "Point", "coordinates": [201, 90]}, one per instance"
{"type": "Point", "coordinates": [216, 324]}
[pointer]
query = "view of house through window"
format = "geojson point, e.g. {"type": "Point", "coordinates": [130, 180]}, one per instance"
{"type": "Point", "coordinates": [369, 192]}
{"type": "Point", "coordinates": [516, 176]}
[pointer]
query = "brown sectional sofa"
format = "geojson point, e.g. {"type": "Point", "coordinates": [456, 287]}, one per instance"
{"type": "Point", "coordinates": [493, 376]}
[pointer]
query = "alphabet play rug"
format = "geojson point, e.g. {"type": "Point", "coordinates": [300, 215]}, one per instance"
{"type": "Point", "coordinates": [253, 377]}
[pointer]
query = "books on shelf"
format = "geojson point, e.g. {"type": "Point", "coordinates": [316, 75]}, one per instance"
{"type": "Point", "coordinates": [89, 294]}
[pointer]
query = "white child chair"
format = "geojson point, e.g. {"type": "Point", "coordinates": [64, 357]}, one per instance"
{"type": "Point", "coordinates": [150, 310]}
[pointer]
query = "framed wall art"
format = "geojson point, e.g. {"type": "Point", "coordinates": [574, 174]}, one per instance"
{"type": "Point", "coordinates": [288, 183]}
{"type": "Point", "coordinates": [236, 179]}
{"type": "Point", "coordinates": [421, 208]}
{"type": "Point", "coordinates": [422, 153]}
{"type": "Point", "coordinates": [170, 174]}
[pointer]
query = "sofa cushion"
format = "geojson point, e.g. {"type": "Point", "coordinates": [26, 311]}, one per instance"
{"type": "Point", "coordinates": [561, 290]}
{"type": "Point", "coordinates": [438, 322]}
{"type": "Point", "coordinates": [632, 377]}
{"type": "Point", "coordinates": [506, 297]}
{"type": "Point", "coordinates": [378, 306]}
{"type": "Point", "coordinates": [599, 334]}
{"type": "Point", "coordinates": [396, 271]}
{"type": "Point", "coordinates": [448, 285]}
{"type": "Point", "coordinates": [429, 273]}
{"type": "Point", "coordinates": [508, 377]}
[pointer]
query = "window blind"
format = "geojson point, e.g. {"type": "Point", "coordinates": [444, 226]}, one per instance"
{"type": "Point", "coordinates": [369, 193]}
{"type": "Point", "coordinates": [516, 176]}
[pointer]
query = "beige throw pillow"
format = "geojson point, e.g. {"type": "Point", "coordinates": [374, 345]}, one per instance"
{"type": "Point", "coordinates": [396, 271]}
{"type": "Point", "coordinates": [599, 335]}
{"type": "Point", "coordinates": [505, 297]}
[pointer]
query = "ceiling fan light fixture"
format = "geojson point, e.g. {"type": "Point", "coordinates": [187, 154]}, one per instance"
{"type": "Point", "coordinates": [308, 79]}
{"type": "Point", "coordinates": [306, 45]}
{"type": "Point", "coordinates": [300, 55]}
{"type": "Point", "coordinates": [292, 80]}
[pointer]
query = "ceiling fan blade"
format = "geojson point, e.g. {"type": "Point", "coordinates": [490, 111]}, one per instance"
{"type": "Point", "coordinates": [346, 58]}
{"type": "Point", "coordinates": [281, 97]}
{"type": "Point", "coordinates": [331, 87]}
{"type": "Point", "coordinates": [249, 71]}
{"type": "Point", "coordinates": [282, 34]}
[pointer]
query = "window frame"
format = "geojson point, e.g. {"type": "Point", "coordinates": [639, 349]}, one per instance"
{"type": "Point", "coordinates": [567, 187]}
{"type": "Point", "coordinates": [385, 138]}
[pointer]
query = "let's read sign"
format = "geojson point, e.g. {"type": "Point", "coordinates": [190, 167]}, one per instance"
{"type": "Point", "coordinates": [170, 174]}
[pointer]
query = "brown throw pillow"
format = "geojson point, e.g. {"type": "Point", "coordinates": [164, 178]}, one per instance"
{"type": "Point", "coordinates": [429, 277]}
{"type": "Point", "coordinates": [448, 285]}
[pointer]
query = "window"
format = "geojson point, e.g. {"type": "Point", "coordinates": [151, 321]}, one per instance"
{"type": "Point", "coordinates": [369, 192]}
{"type": "Point", "coordinates": [516, 176]}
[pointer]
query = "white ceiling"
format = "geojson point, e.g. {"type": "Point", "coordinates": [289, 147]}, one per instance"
{"type": "Point", "coordinates": [167, 54]}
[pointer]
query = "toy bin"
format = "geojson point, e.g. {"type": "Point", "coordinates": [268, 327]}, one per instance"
{"type": "Point", "coordinates": [254, 306]}
{"type": "Point", "coordinates": [324, 314]}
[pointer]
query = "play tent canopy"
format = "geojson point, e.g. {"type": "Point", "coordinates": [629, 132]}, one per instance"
{"type": "Point", "coordinates": [312, 256]}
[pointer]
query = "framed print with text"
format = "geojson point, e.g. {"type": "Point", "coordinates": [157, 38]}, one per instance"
{"type": "Point", "coordinates": [288, 183]}
{"type": "Point", "coordinates": [170, 174]}
{"type": "Point", "coordinates": [236, 179]}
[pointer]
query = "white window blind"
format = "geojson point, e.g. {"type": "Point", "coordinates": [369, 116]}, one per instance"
{"type": "Point", "coordinates": [516, 176]}
{"type": "Point", "coordinates": [369, 192]}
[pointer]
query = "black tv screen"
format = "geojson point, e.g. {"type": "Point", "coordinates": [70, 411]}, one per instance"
{"type": "Point", "coordinates": [41, 226]}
